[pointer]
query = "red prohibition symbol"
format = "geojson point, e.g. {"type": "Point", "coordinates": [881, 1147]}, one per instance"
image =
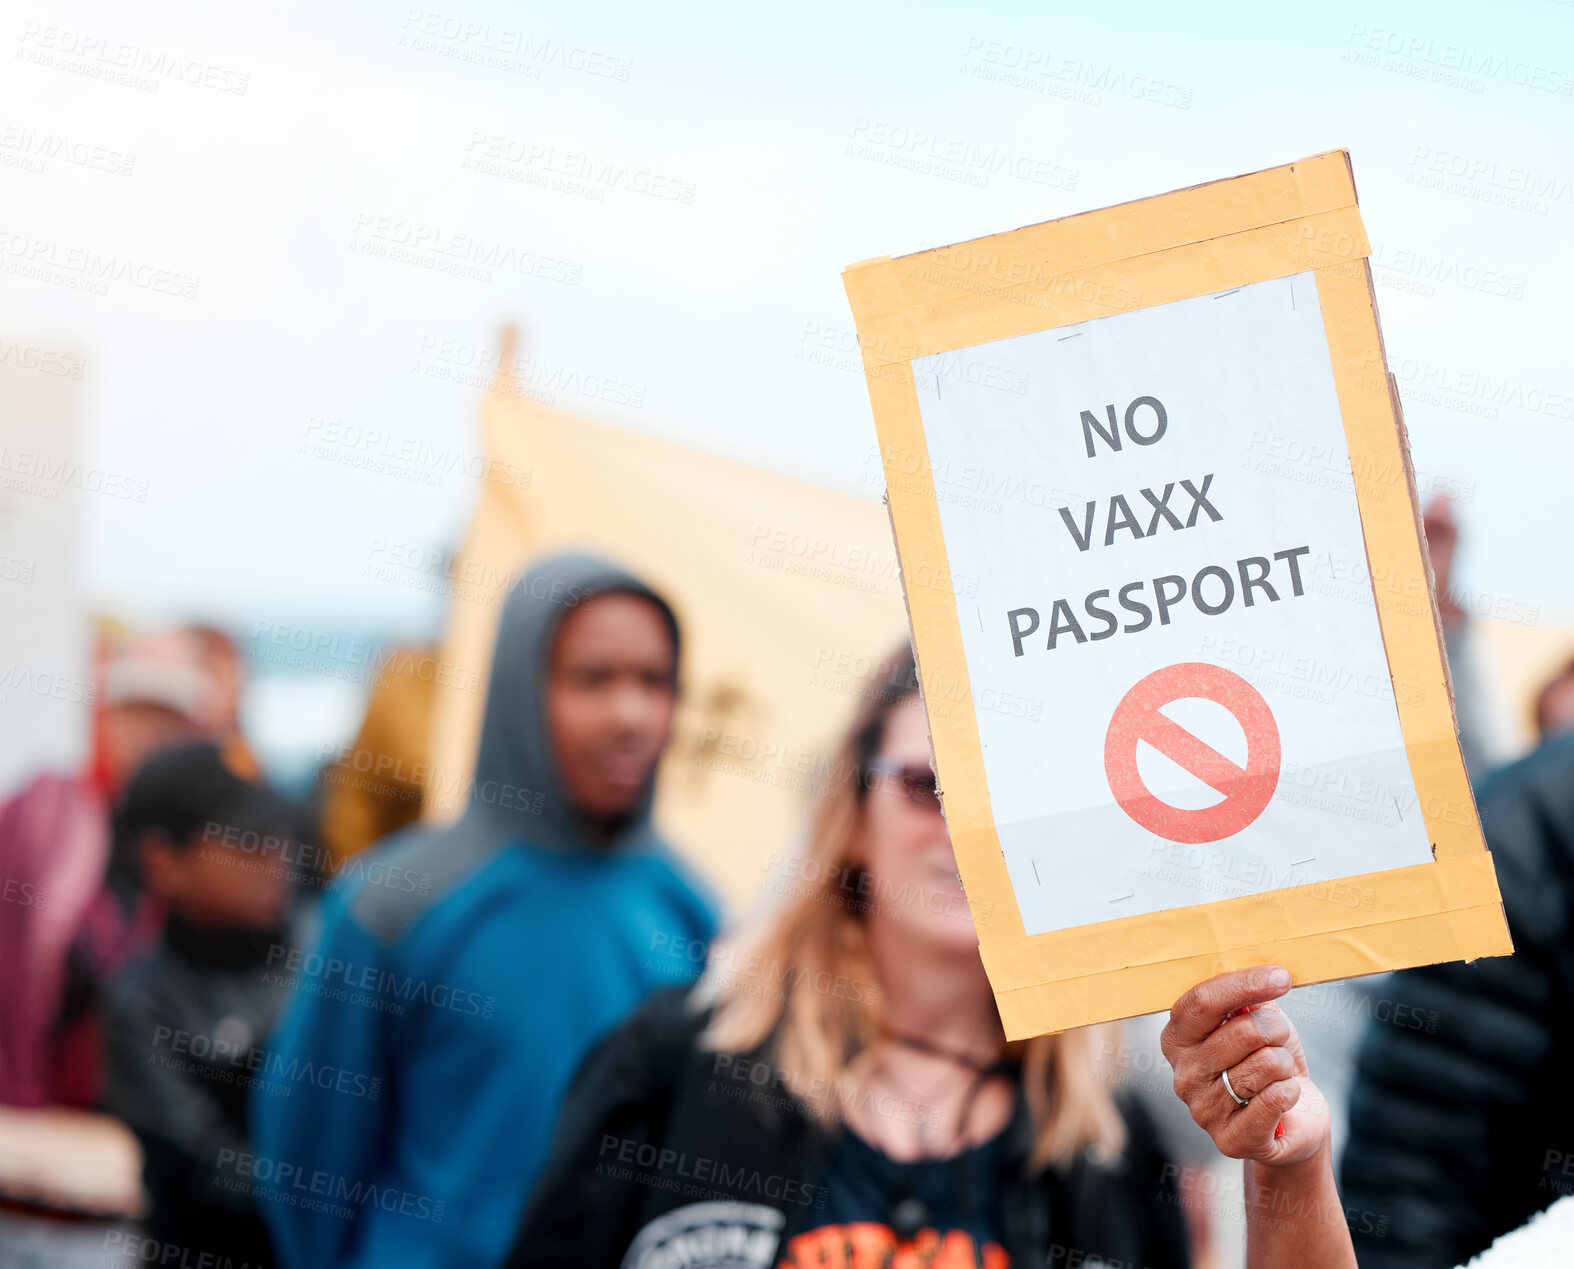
{"type": "Point", "coordinates": [1246, 791]}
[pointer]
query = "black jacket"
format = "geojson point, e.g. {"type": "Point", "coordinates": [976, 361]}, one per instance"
{"type": "Point", "coordinates": [184, 1043]}
{"type": "Point", "coordinates": [1462, 1117]}
{"type": "Point", "coordinates": [667, 1154]}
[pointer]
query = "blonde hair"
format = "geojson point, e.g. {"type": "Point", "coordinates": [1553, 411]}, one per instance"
{"type": "Point", "coordinates": [774, 985]}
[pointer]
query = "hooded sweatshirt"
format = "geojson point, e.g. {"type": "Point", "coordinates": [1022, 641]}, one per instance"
{"type": "Point", "coordinates": [456, 988]}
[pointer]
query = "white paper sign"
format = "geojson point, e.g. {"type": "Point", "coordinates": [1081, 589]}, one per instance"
{"type": "Point", "coordinates": [1177, 667]}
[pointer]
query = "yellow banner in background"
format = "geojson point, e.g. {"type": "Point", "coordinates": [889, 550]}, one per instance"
{"type": "Point", "coordinates": [788, 594]}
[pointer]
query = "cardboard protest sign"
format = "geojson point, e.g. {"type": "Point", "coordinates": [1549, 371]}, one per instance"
{"type": "Point", "coordinates": [1210, 721]}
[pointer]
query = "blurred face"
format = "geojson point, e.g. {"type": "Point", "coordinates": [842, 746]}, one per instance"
{"type": "Point", "coordinates": [611, 692]}
{"type": "Point", "coordinates": [132, 733]}
{"type": "Point", "coordinates": [915, 891]}
{"type": "Point", "coordinates": [1556, 706]}
{"type": "Point", "coordinates": [215, 886]}
{"type": "Point", "coordinates": [221, 662]}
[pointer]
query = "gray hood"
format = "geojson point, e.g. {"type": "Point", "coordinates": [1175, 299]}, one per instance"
{"type": "Point", "coordinates": [518, 793]}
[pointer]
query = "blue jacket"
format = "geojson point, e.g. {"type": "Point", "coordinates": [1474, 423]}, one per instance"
{"type": "Point", "coordinates": [455, 990]}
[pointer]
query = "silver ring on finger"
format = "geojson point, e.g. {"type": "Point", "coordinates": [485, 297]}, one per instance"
{"type": "Point", "coordinates": [1239, 1101]}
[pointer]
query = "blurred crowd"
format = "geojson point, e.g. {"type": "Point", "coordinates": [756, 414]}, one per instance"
{"type": "Point", "coordinates": [343, 1035]}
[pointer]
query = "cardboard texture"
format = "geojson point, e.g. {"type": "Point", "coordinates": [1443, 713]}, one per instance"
{"type": "Point", "coordinates": [1192, 242]}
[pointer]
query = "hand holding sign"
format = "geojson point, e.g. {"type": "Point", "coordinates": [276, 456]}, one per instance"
{"type": "Point", "coordinates": [1228, 1025]}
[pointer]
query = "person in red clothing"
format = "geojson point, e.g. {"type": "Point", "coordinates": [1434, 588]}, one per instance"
{"type": "Point", "coordinates": [83, 912]}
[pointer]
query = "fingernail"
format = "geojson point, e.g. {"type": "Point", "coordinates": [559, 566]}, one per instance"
{"type": "Point", "coordinates": [1279, 978]}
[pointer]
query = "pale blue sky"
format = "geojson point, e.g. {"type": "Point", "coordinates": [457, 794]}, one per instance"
{"type": "Point", "coordinates": [699, 309]}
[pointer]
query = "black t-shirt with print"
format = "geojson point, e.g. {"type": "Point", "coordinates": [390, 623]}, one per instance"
{"type": "Point", "coordinates": [881, 1211]}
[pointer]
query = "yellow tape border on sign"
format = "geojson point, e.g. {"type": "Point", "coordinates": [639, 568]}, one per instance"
{"type": "Point", "coordinates": [1286, 220]}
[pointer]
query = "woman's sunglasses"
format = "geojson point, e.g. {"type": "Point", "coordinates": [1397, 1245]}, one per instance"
{"type": "Point", "coordinates": [914, 782]}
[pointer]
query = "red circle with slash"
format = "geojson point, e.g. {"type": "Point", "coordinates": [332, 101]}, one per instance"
{"type": "Point", "coordinates": [1247, 790]}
